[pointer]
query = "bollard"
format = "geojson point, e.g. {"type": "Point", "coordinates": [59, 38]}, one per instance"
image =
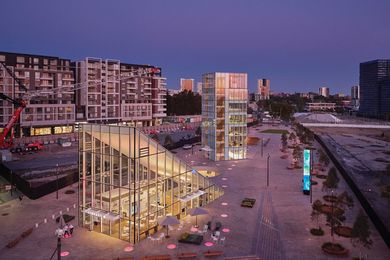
{"type": "Point", "coordinates": [52, 216]}
{"type": "Point", "coordinates": [45, 220]}
{"type": "Point", "coordinates": [67, 209]}
{"type": "Point", "coordinates": [60, 212]}
{"type": "Point", "coordinates": [36, 225]}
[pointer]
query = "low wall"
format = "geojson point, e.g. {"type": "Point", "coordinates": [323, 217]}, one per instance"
{"type": "Point", "coordinates": [41, 190]}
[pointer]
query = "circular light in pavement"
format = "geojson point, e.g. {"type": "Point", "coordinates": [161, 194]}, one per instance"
{"type": "Point", "coordinates": [208, 243]}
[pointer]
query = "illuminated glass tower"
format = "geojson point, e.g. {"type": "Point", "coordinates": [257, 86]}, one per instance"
{"type": "Point", "coordinates": [224, 109]}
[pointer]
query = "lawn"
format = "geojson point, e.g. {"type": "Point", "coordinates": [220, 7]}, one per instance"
{"type": "Point", "coordinates": [274, 131]}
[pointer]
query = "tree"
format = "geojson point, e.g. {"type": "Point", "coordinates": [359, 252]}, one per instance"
{"type": "Point", "coordinates": [316, 212]}
{"type": "Point", "coordinates": [297, 153]}
{"type": "Point", "coordinates": [344, 201]}
{"type": "Point", "coordinates": [331, 181]}
{"type": "Point", "coordinates": [284, 141]}
{"type": "Point", "coordinates": [324, 158]}
{"type": "Point", "coordinates": [361, 233]}
{"type": "Point", "coordinates": [292, 137]}
{"type": "Point", "coordinates": [168, 141]}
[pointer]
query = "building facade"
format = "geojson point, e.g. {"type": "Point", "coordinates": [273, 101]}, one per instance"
{"type": "Point", "coordinates": [49, 93]}
{"type": "Point", "coordinates": [323, 91]}
{"type": "Point", "coordinates": [128, 181]}
{"type": "Point", "coordinates": [224, 112]}
{"type": "Point", "coordinates": [187, 84]}
{"type": "Point", "coordinates": [112, 92]}
{"type": "Point", "coordinates": [355, 96]}
{"type": "Point", "coordinates": [320, 106]}
{"type": "Point", "coordinates": [199, 88]}
{"type": "Point", "coordinates": [375, 89]}
{"type": "Point", "coordinates": [263, 89]}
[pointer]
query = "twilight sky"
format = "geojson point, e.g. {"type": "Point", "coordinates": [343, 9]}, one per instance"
{"type": "Point", "coordinates": [299, 45]}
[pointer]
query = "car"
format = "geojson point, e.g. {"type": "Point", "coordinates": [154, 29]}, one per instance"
{"type": "Point", "coordinates": [187, 146]}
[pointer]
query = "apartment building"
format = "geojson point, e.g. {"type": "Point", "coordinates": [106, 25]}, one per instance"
{"type": "Point", "coordinates": [110, 92]}
{"type": "Point", "coordinates": [187, 84]}
{"type": "Point", "coordinates": [263, 89]}
{"type": "Point", "coordinates": [224, 115]}
{"type": "Point", "coordinates": [49, 93]}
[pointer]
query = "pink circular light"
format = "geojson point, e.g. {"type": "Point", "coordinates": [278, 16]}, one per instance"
{"type": "Point", "coordinates": [224, 203]}
{"type": "Point", "coordinates": [224, 215]}
{"type": "Point", "coordinates": [224, 179]}
{"type": "Point", "coordinates": [224, 186]}
{"type": "Point", "coordinates": [129, 248]}
{"type": "Point", "coordinates": [171, 246]}
{"type": "Point", "coordinates": [194, 229]}
{"type": "Point", "coordinates": [209, 243]}
{"type": "Point", "coordinates": [225, 230]}
{"type": "Point", "coordinates": [65, 253]}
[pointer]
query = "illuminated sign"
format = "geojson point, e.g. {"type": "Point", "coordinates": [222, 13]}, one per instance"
{"type": "Point", "coordinates": [306, 171]}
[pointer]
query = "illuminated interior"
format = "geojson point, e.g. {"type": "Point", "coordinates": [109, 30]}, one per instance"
{"type": "Point", "coordinates": [224, 115]}
{"type": "Point", "coordinates": [127, 181]}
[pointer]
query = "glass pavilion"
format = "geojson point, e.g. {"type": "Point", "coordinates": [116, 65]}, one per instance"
{"type": "Point", "coordinates": [128, 180]}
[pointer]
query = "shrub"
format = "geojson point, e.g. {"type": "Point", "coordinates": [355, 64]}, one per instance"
{"type": "Point", "coordinates": [317, 232]}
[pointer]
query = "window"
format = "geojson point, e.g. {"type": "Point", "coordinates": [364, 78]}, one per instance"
{"type": "Point", "coordinates": [20, 59]}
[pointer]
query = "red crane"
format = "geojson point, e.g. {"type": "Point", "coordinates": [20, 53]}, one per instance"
{"type": "Point", "coordinates": [19, 105]}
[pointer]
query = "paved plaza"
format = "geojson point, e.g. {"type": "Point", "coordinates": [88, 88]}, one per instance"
{"type": "Point", "coordinates": [277, 227]}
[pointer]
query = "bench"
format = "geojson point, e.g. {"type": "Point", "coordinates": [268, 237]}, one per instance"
{"type": "Point", "coordinates": [212, 253]}
{"type": "Point", "coordinates": [157, 257]}
{"type": "Point", "coordinates": [186, 255]}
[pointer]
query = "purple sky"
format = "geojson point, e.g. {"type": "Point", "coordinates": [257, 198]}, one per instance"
{"type": "Point", "coordinates": [300, 45]}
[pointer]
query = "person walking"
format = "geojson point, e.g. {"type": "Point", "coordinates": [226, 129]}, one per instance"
{"type": "Point", "coordinates": [71, 229]}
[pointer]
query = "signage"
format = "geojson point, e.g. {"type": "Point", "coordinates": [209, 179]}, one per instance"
{"type": "Point", "coordinates": [306, 171]}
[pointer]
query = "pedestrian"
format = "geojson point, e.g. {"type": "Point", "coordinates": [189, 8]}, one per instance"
{"type": "Point", "coordinates": [20, 197]}
{"type": "Point", "coordinates": [66, 230]}
{"type": "Point", "coordinates": [71, 229]}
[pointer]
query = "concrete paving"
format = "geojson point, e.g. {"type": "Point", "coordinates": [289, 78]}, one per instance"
{"type": "Point", "coordinates": [277, 227]}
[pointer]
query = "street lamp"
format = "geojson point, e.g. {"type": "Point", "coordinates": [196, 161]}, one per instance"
{"type": "Point", "coordinates": [262, 144]}
{"type": "Point", "coordinates": [57, 182]}
{"type": "Point", "coordinates": [268, 169]}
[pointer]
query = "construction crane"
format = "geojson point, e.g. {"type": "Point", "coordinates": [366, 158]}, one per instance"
{"type": "Point", "coordinates": [19, 104]}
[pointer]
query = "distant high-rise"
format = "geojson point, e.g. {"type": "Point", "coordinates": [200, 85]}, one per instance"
{"type": "Point", "coordinates": [187, 84]}
{"type": "Point", "coordinates": [263, 89]}
{"type": "Point", "coordinates": [199, 88]}
{"type": "Point", "coordinates": [375, 89]}
{"type": "Point", "coordinates": [224, 115]}
{"type": "Point", "coordinates": [323, 91]}
{"type": "Point", "coordinates": [355, 92]}
{"type": "Point", "coordinates": [355, 96]}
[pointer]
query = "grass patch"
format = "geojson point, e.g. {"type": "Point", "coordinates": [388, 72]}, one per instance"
{"type": "Point", "coordinates": [275, 131]}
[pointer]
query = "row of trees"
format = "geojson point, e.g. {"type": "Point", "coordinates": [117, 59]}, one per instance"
{"type": "Point", "coordinates": [184, 103]}
{"type": "Point", "coordinates": [335, 213]}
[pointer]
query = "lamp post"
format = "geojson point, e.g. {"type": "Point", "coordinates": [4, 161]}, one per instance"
{"type": "Point", "coordinates": [311, 171]}
{"type": "Point", "coordinates": [57, 182]}
{"type": "Point", "coordinates": [262, 147]}
{"type": "Point", "coordinates": [268, 169]}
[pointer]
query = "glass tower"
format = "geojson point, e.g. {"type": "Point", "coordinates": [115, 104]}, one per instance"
{"type": "Point", "coordinates": [127, 181]}
{"type": "Point", "coordinates": [224, 112]}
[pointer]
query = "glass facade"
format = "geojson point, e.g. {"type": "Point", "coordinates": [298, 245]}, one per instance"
{"type": "Point", "coordinates": [224, 112]}
{"type": "Point", "coordinates": [127, 181]}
